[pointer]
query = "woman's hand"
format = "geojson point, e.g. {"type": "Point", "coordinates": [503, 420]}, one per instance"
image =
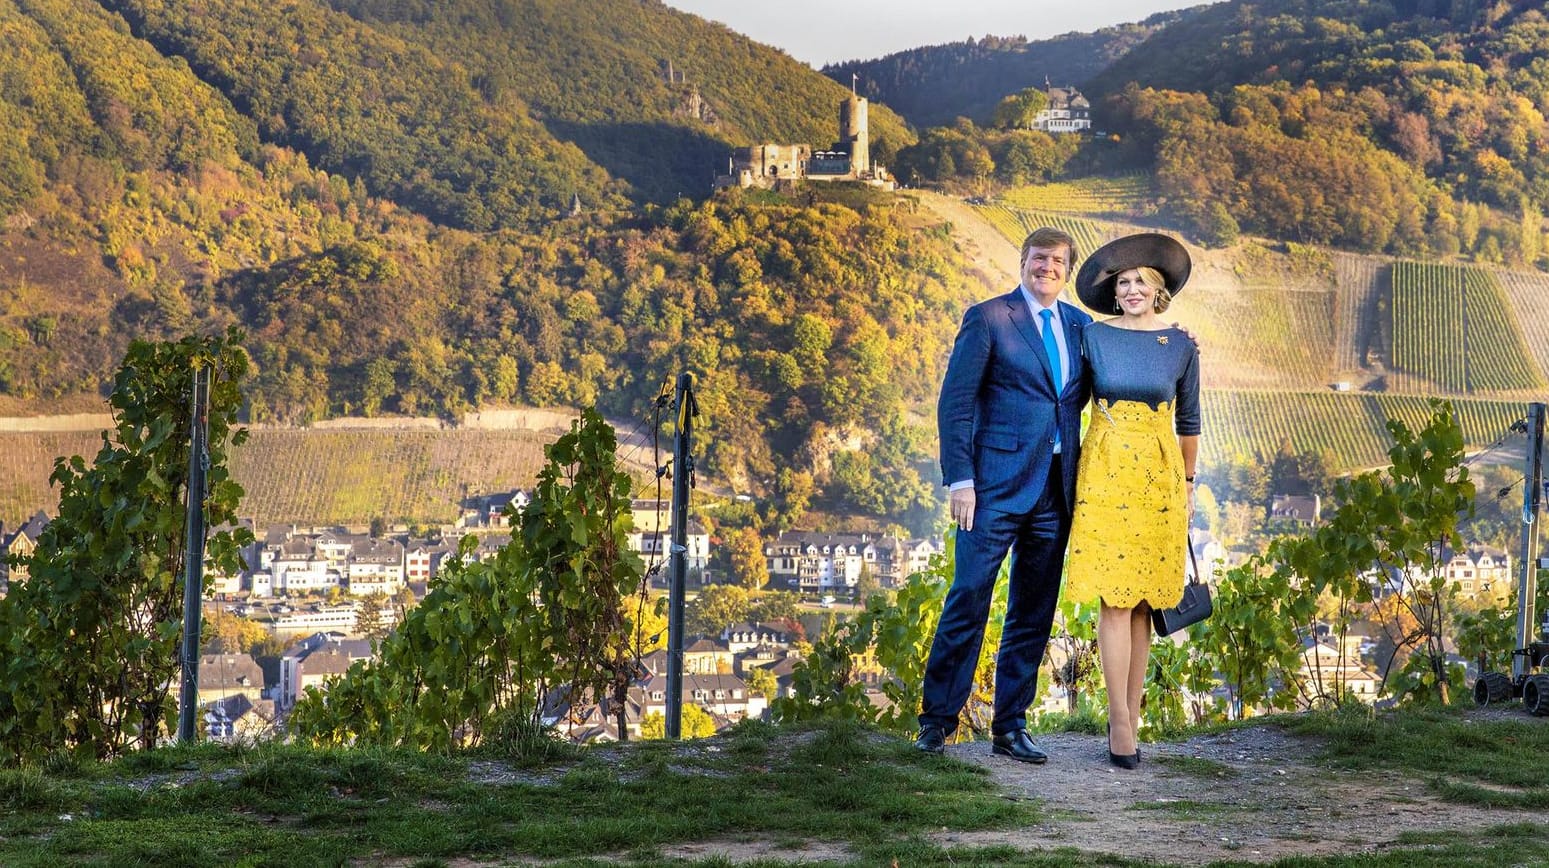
{"type": "Point", "coordinates": [1191, 501]}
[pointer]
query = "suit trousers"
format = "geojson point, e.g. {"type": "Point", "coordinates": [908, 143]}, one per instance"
{"type": "Point", "coordinates": [1036, 540]}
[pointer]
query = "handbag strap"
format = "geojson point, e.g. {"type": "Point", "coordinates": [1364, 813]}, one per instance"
{"type": "Point", "coordinates": [1194, 579]}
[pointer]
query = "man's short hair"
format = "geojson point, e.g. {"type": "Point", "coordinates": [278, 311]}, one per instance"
{"type": "Point", "coordinates": [1048, 236]}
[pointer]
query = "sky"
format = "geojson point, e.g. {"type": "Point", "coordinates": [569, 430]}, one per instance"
{"type": "Point", "coordinates": [865, 29]}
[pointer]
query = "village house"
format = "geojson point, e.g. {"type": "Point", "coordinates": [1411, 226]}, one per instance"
{"type": "Point", "coordinates": [495, 507]}
{"type": "Point", "coordinates": [743, 637]}
{"type": "Point", "coordinates": [1327, 671]}
{"type": "Point", "coordinates": [898, 559]}
{"type": "Point", "coordinates": [422, 561]}
{"type": "Point", "coordinates": [651, 538]}
{"type": "Point", "coordinates": [224, 675]}
{"type": "Point", "coordinates": [1067, 111]}
{"type": "Point", "coordinates": [1296, 509]}
{"type": "Point", "coordinates": [703, 656]}
{"type": "Point", "coordinates": [21, 543]}
{"type": "Point", "coordinates": [1478, 572]}
{"type": "Point", "coordinates": [374, 566]}
{"type": "Point", "coordinates": [312, 661]}
{"type": "Point", "coordinates": [814, 562]}
{"type": "Point", "coordinates": [238, 719]}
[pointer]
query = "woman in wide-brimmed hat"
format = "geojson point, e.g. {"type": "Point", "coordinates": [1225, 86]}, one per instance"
{"type": "Point", "coordinates": [1135, 485]}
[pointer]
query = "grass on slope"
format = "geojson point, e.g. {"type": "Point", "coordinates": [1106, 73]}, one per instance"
{"type": "Point", "coordinates": [286, 805]}
{"type": "Point", "coordinates": [866, 799]}
{"type": "Point", "coordinates": [1495, 760]}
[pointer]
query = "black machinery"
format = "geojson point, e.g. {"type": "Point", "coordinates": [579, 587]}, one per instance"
{"type": "Point", "coordinates": [1495, 687]}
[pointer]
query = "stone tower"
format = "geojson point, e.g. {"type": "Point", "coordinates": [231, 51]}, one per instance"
{"type": "Point", "coordinates": [852, 132]}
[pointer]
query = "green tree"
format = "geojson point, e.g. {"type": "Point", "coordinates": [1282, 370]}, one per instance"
{"type": "Point", "coordinates": [866, 584]}
{"type": "Point", "coordinates": [368, 618]}
{"type": "Point", "coordinates": [716, 608]}
{"type": "Point", "coordinates": [91, 640]}
{"type": "Point", "coordinates": [1018, 110]}
{"type": "Point", "coordinates": [776, 606]}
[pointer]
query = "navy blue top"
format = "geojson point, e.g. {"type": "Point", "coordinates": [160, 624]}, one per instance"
{"type": "Point", "coordinates": [1153, 367]}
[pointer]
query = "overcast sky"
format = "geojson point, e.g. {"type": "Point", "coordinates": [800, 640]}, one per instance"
{"type": "Point", "coordinates": [825, 31]}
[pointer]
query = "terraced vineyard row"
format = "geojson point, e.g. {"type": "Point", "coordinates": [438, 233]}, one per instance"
{"type": "Point", "coordinates": [1356, 334]}
{"type": "Point", "coordinates": [1350, 426]}
{"type": "Point", "coordinates": [1130, 195]}
{"type": "Point", "coordinates": [1259, 338]}
{"type": "Point", "coordinates": [1529, 296]}
{"type": "Point", "coordinates": [1015, 223]}
{"type": "Point", "coordinates": [348, 476]}
{"type": "Point", "coordinates": [344, 476]}
{"type": "Point", "coordinates": [1451, 325]}
{"type": "Point", "coordinates": [1428, 320]}
{"type": "Point", "coordinates": [26, 460]}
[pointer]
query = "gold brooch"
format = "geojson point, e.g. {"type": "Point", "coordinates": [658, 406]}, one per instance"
{"type": "Point", "coordinates": [1162, 339]}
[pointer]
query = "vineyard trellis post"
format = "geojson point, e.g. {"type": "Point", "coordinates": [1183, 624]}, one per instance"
{"type": "Point", "coordinates": [193, 563]}
{"type": "Point", "coordinates": [1532, 491]}
{"type": "Point", "coordinates": [677, 564]}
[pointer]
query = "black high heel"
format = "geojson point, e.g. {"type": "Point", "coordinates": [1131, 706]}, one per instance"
{"type": "Point", "coordinates": [1123, 761]}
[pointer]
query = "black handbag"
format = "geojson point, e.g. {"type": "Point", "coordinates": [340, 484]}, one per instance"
{"type": "Point", "coordinates": [1193, 608]}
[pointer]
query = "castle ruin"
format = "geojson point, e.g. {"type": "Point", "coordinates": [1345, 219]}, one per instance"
{"type": "Point", "coordinates": [770, 165]}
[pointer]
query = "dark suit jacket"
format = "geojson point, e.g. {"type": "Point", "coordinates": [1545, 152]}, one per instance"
{"type": "Point", "coordinates": [998, 409]}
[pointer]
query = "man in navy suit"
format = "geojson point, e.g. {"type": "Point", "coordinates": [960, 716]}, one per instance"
{"type": "Point", "coordinates": [1010, 417]}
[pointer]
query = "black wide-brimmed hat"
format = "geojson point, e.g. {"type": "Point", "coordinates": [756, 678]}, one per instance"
{"type": "Point", "coordinates": [1094, 283]}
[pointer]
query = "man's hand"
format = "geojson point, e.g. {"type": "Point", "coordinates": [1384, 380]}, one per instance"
{"type": "Point", "coordinates": [961, 506]}
{"type": "Point", "coordinates": [1181, 328]}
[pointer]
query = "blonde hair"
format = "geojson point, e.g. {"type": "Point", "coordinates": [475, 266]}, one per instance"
{"type": "Point", "coordinates": [1154, 279]}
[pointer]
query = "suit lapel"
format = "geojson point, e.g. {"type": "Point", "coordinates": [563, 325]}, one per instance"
{"type": "Point", "coordinates": [1022, 318]}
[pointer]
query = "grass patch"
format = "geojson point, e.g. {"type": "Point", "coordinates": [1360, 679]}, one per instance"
{"type": "Point", "coordinates": [1501, 762]}
{"type": "Point", "coordinates": [288, 805]}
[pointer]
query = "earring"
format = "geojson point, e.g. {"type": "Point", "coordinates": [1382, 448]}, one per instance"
{"type": "Point", "coordinates": [1117, 308]}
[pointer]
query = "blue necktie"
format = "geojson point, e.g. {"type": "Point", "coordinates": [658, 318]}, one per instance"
{"type": "Point", "coordinates": [1053, 349]}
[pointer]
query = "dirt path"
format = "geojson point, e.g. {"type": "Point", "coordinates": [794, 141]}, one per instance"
{"type": "Point", "coordinates": [982, 243]}
{"type": "Point", "coordinates": [1252, 795]}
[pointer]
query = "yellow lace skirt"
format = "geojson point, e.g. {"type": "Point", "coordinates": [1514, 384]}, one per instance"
{"type": "Point", "coordinates": [1130, 525]}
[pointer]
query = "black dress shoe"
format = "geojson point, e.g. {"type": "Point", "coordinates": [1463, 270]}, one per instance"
{"type": "Point", "coordinates": [932, 739]}
{"type": "Point", "coordinates": [1018, 745]}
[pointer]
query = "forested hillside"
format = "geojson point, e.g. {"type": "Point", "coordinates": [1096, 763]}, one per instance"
{"type": "Point", "coordinates": [596, 74]}
{"type": "Point", "coordinates": [481, 114]}
{"type": "Point", "coordinates": [1409, 127]}
{"type": "Point", "coordinates": [1415, 128]}
{"type": "Point", "coordinates": [933, 85]}
{"type": "Point", "coordinates": [392, 228]}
